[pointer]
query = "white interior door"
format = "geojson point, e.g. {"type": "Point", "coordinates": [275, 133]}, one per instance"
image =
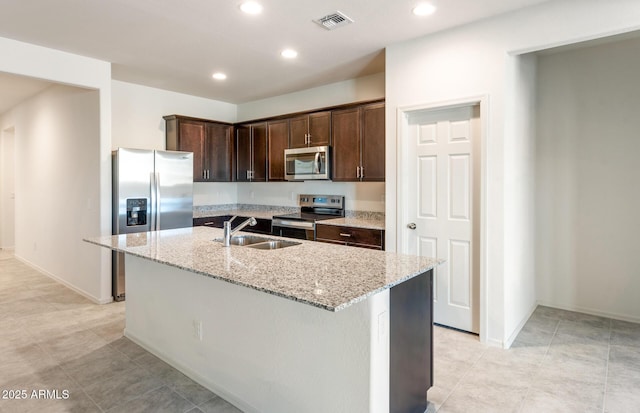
{"type": "Point", "coordinates": [442, 193]}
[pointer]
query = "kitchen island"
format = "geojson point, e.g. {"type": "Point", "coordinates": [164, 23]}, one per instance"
{"type": "Point", "coordinates": [312, 327]}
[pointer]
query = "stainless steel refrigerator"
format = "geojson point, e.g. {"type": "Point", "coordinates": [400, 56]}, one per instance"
{"type": "Point", "coordinates": [152, 190]}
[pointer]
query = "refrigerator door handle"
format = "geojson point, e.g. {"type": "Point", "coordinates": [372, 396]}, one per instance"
{"type": "Point", "coordinates": [158, 197]}
{"type": "Point", "coordinates": [152, 204]}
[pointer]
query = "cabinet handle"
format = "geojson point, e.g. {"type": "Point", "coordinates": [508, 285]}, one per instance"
{"type": "Point", "coordinates": [248, 175]}
{"type": "Point", "coordinates": [357, 172]}
{"type": "Point", "coordinates": [208, 174]}
{"type": "Point", "coordinates": [361, 172]}
{"type": "Point", "coordinates": [342, 234]}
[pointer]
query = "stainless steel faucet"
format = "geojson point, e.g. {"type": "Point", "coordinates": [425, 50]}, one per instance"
{"type": "Point", "coordinates": [228, 232]}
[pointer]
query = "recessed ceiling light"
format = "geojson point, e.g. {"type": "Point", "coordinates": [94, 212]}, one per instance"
{"type": "Point", "coordinates": [424, 9]}
{"type": "Point", "coordinates": [251, 7]}
{"type": "Point", "coordinates": [219, 76]}
{"type": "Point", "coordinates": [289, 53]}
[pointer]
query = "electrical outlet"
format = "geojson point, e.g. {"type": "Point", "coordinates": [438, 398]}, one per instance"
{"type": "Point", "coordinates": [197, 330]}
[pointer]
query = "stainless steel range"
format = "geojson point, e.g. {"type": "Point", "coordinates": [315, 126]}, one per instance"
{"type": "Point", "coordinates": [313, 208]}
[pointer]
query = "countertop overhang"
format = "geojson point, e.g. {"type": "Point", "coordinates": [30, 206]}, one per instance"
{"type": "Point", "coordinates": [331, 277]}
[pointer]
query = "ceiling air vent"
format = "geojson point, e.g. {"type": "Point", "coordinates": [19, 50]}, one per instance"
{"type": "Point", "coordinates": [334, 20]}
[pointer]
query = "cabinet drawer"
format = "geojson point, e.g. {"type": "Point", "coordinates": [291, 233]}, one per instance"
{"type": "Point", "coordinates": [263, 226]}
{"type": "Point", "coordinates": [351, 235]}
{"type": "Point", "coordinates": [215, 221]}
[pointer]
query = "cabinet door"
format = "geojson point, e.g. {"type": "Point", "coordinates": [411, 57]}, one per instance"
{"type": "Point", "coordinates": [278, 138]}
{"type": "Point", "coordinates": [219, 152]}
{"type": "Point", "coordinates": [299, 128]}
{"type": "Point", "coordinates": [320, 129]}
{"type": "Point", "coordinates": [259, 152]}
{"type": "Point", "coordinates": [373, 141]}
{"type": "Point", "coordinates": [346, 144]}
{"type": "Point", "coordinates": [191, 138]}
{"type": "Point", "coordinates": [243, 152]}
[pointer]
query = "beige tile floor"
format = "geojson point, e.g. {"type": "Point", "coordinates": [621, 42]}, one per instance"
{"type": "Point", "coordinates": [54, 339]}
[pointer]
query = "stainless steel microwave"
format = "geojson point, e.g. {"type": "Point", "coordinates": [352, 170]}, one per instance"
{"type": "Point", "coordinates": [306, 164]}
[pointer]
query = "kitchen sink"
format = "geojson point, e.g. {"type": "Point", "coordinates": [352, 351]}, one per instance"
{"type": "Point", "coordinates": [261, 243]}
{"type": "Point", "coordinates": [242, 240]}
{"type": "Point", "coordinates": [273, 245]}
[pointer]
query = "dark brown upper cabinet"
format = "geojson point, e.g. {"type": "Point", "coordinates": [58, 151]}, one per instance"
{"type": "Point", "coordinates": [211, 143]}
{"type": "Point", "coordinates": [251, 152]}
{"type": "Point", "coordinates": [313, 129]}
{"type": "Point", "coordinates": [358, 143]}
{"type": "Point", "coordinates": [277, 142]}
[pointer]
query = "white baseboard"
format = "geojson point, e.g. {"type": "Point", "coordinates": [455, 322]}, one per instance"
{"type": "Point", "coordinates": [514, 333]}
{"type": "Point", "coordinates": [203, 381]}
{"type": "Point", "coordinates": [63, 282]}
{"type": "Point", "coordinates": [591, 311]}
{"type": "Point", "coordinates": [492, 342]}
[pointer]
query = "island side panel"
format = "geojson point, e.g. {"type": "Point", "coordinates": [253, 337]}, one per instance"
{"type": "Point", "coordinates": [411, 344]}
{"type": "Point", "coordinates": [261, 352]}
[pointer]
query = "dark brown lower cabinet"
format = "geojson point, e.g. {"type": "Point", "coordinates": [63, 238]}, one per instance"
{"type": "Point", "coordinates": [353, 236]}
{"type": "Point", "coordinates": [263, 226]}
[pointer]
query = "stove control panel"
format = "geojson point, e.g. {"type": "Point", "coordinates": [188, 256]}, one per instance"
{"type": "Point", "coordinates": [321, 201]}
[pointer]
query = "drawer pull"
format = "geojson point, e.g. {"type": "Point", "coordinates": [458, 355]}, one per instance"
{"type": "Point", "coordinates": [209, 223]}
{"type": "Point", "coordinates": [344, 235]}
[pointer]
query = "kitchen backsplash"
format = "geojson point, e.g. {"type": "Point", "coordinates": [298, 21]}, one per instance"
{"type": "Point", "coordinates": [364, 196]}
{"type": "Point", "coordinates": [212, 210]}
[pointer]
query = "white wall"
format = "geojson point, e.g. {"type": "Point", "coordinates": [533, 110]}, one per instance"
{"type": "Point", "coordinates": [7, 189]}
{"type": "Point", "coordinates": [474, 60]}
{"type": "Point", "coordinates": [519, 188]}
{"type": "Point", "coordinates": [354, 90]}
{"type": "Point", "coordinates": [57, 203]}
{"type": "Point", "coordinates": [87, 269]}
{"type": "Point", "coordinates": [588, 169]}
{"type": "Point", "coordinates": [138, 110]}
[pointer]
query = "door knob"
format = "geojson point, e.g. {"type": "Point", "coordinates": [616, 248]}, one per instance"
{"type": "Point", "coordinates": [411, 225]}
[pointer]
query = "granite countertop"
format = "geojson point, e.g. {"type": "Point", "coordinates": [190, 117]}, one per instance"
{"type": "Point", "coordinates": [331, 277]}
{"type": "Point", "coordinates": [369, 223]}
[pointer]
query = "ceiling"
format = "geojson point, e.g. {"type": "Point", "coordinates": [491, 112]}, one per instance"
{"type": "Point", "coordinates": [177, 45]}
